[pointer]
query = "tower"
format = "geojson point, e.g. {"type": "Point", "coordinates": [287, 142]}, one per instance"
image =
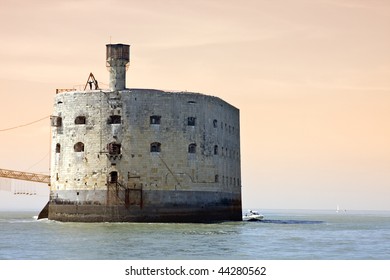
{"type": "Point", "coordinates": [117, 61]}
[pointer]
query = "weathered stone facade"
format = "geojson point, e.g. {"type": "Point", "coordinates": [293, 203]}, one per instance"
{"type": "Point", "coordinates": [143, 155]}
{"type": "Point", "coordinates": [143, 148]}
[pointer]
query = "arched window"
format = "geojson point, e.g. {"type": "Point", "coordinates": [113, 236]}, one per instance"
{"type": "Point", "coordinates": [79, 120]}
{"type": "Point", "coordinates": [78, 147]}
{"type": "Point", "coordinates": [192, 148]}
{"type": "Point", "coordinates": [215, 123]}
{"type": "Point", "coordinates": [58, 148]}
{"type": "Point", "coordinates": [215, 149]}
{"type": "Point", "coordinates": [155, 147]}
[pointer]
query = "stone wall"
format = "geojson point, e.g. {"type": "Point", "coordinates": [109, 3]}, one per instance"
{"type": "Point", "coordinates": [143, 140]}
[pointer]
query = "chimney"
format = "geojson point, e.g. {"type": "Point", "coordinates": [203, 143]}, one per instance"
{"type": "Point", "coordinates": [117, 61]}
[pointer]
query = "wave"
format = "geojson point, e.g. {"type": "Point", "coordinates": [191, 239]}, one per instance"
{"type": "Point", "coordinates": [290, 222]}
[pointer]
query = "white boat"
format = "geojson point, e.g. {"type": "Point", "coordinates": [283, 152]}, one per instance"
{"type": "Point", "coordinates": [252, 215]}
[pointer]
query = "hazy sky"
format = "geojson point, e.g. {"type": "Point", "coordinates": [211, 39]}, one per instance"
{"type": "Point", "coordinates": [311, 80]}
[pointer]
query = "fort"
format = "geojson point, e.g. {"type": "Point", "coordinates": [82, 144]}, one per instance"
{"type": "Point", "coordinates": [142, 155]}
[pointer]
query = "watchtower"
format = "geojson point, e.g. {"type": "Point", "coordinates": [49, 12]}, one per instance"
{"type": "Point", "coordinates": [117, 61]}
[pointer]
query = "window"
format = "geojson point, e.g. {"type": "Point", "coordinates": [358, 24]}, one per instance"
{"type": "Point", "coordinates": [114, 148]}
{"type": "Point", "coordinates": [113, 178]}
{"type": "Point", "coordinates": [215, 123]}
{"type": "Point", "coordinates": [78, 147]}
{"type": "Point", "coordinates": [58, 148]}
{"type": "Point", "coordinates": [155, 147]}
{"type": "Point", "coordinates": [192, 148]}
{"type": "Point", "coordinates": [216, 178]}
{"type": "Point", "coordinates": [79, 120]}
{"type": "Point", "coordinates": [155, 119]}
{"type": "Point", "coordinates": [56, 121]}
{"type": "Point", "coordinates": [215, 149]}
{"type": "Point", "coordinates": [114, 119]}
{"type": "Point", "coordinates": [191, 121]}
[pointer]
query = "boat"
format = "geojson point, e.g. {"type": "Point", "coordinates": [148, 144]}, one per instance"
{"type": "Point", "coordinates": [252, 215]}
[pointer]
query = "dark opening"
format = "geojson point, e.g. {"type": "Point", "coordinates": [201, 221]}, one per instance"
{"type": "Point", "coordinates": [115, 119]}
{"type": "Point", "coordinates": [191, 121]}
{"type": "Point", "coordinates": [155, 119]}
{"type": "Point", "coordinates": [216, 150]}
{"type": "Point", "coordinates": [155, 147]}
{"type": "Point", "coordinates": [192, 148]}
{"type": "Point", "coordinates": [56, 121]}
{"type": "Point", "coordinates": [215, 123]}
{"type": "Point", "coordinates": [80, 120]}
{"type": "Point", "coordinates": [127, 197]}
{"type": "Point", "coordinates": [113, 177]}
{"type": "Point", "coordinates": [114, 148]}
{"type": "Point", "coordinates": [58, 148]}
{"type": "Point", "coordinates": [78, 147]}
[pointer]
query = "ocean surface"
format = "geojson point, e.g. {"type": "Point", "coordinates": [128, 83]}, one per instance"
{"type": "Point", "coordinates": [282, 235]}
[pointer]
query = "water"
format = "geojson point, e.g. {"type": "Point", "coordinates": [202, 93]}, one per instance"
{"type": "Point", "coordinates": [283, 235]}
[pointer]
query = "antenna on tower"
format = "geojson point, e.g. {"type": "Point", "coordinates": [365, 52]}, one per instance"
{"type": "Point", "coordinates": [91, 81]}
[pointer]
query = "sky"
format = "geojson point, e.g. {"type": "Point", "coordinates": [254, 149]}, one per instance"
{"type": "Point", "coordinates": [311, 80]}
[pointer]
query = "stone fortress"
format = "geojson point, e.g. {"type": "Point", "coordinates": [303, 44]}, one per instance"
{"type": "Point", "coordinates": [143, 155]}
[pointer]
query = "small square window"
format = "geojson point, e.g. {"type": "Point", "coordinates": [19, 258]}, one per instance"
{"type": "Point", "coordinates": [191, 121]}
{"type": "Point", "coordinates": [155, 119]}
{"type": "Point", "coordinates": [114, 148]}
{"type": "Point", "coordinates": [114, 119]}
{"type": "Point", "coordinates": [155, 147]}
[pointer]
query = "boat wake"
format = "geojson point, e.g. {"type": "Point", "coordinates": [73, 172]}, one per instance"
{"type": "Point", "coordinates": [289, 222]}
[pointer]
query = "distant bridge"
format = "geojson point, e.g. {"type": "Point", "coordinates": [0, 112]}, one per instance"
{"type": "Point", "coordinates": [26, 176]}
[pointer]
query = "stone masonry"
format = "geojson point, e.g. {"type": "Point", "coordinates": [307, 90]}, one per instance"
{"type": "Point", "coordinates": [144, 155]}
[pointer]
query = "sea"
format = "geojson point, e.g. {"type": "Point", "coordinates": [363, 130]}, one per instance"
{"type": "Point", "coordinates": [282, 235]}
